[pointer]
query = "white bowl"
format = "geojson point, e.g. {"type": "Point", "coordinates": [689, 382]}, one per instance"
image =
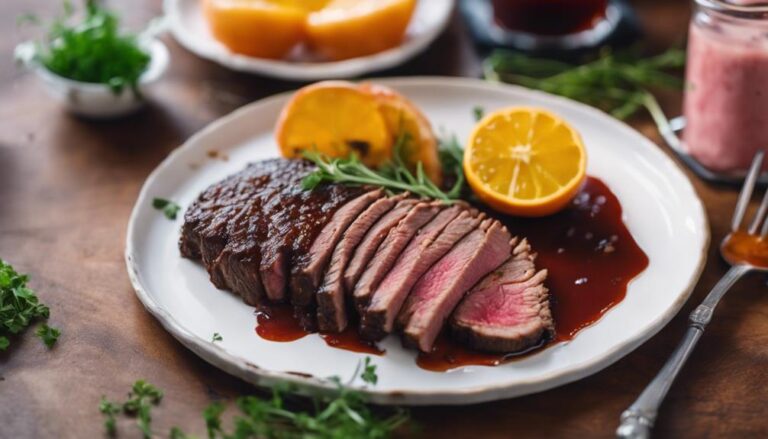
{"type": "Point", "coordinates": [99, 101]}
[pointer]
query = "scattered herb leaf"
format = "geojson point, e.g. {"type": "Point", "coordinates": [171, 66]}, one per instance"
{"type": "Point", "coordinates": [344, 414]}
{"type": "Point", "coordinates": [169, 208]}
{"type": "Point", "coordinates": [109, 410]}
{"type": "Point", "coordinates": [478, 112]}
{"type": "Point", "coordinates": [369, 372]}
{"type": "Point", "coordinates": [616, 83]}
{"type": "Point", "coordinates": [48, 334]}
{"type": "Point", "coordinates": [93, 50]}
{"type": "Point", "coordinates": [216, 337]}
{"type": "Point", "coordinates": [19, 305]}
{"type": "Point", "coordinates": [394, 176]}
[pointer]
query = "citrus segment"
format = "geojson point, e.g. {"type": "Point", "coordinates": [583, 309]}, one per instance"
{"type": "Point", "coordinates": [525, 161]}
{"type": "Point", "coordinates": [335, 118]}
{"type": "Point", "coordinates": [260, 28]}
{"type": "Point", "coordinates": [351, 28]}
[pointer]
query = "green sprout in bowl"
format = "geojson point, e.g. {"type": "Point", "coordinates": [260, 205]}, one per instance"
{"type": "Point", "coordinates": [93, 50]}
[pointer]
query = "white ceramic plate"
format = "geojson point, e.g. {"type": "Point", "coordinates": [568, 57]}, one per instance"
{"type": "Point", "coordinates": [191, 31]}
{"type": "Point", "coordinates": [660, 206]}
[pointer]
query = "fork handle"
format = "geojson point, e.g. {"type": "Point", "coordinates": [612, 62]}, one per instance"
{"type": "Point", "coordinates": [638, 419]}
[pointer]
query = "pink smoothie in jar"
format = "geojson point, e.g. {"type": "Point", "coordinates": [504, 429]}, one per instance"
{"type": "Point", "coordinates": [726, 100]}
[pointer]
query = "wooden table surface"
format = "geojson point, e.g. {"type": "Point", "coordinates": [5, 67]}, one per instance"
{"type": "Point", "coordinates": [67, 187]}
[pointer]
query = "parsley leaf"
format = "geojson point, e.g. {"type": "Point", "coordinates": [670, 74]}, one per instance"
{"type": "Point", "coordinates": [169, 208]}
{"type": "Point", "coordinates": [109, 410]}
{"type": "Point", "coordinates": [93, 50]}
{"type": "Point", "coordinates": [19, 306]}
{"type": "Point", "coordinates": [342, 414]}
{"type": "Point", "coordinates": [48, 334]}
{"type": "Point", "coordinates": [140, 401]}
{"type": "Point", "coordinates": [216, 337]}
{"type": "Point", "coordinates": [369, 372]}
{"type": "Point", "coordinates": [478, 112]}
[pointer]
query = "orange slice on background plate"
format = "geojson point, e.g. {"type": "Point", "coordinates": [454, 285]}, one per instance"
{"type": "Point", "coordinates": [259, 28]}
{"type": "Point", "coordinates": [346, 29]}
{"type": "Point", "coordinates": [401, 115]}
{"type": "Point", "coordinates": [335, 118]}
{"type": "Point", "coordinates": [525, 161]}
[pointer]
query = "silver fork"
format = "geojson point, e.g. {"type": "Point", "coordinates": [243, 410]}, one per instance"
{"type": "Point", "coordinates": [638, 419]}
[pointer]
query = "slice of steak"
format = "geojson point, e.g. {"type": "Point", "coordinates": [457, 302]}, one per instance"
{"type": "Point", "coordinates": [508, 311]}
{"type": "Point", "coordinates": [307, 269]}
{"type": "Point", "coordinates": [371, 241]}
{"type": "Point", "coordinates": [389, 250]}
{"type": "Point", "coordinates": [331, 308]}
{"type": "Point", "coordinates": [442, 287]}
{"type": "Point", "coordinates": [294, 218]}
{"type": "Point", "coordinates": [430, 244]}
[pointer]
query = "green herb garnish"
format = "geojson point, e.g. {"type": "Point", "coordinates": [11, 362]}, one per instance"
{"type": "Point", "coordinates": [48, 334]}
{"type": "Point", "coordinates": [216, 337]}
{"type": "Point", "coordinates": [110, 411]}
{"type": "Point", "coordinates": [344, 414]}
{"type": "Point", "coordinates": [20, 307]}
{"type": "Point", "coordinates": [140, 400]}
{"type": "Point", "coordinates": [169, 208]}
{"type": "Point", "coordinates": [94, 50]}
{"type": "Point", "coordinates": [478, 112]}
{"type": "Point", "coordinates": [618, 84]}
{"type": "Point", "coordinates": [394, 176]}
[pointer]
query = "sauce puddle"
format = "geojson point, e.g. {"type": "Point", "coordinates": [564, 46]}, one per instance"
{"type": "Point", "coordinates": [278, 323]}
{"type": "Point", "coordinates": [591, 258]}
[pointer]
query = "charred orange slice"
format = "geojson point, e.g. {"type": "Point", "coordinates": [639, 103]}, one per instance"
{"type": "Point", "coordinates": [335, 118]}
{"type": "Point", "coordinates": [403, 117]}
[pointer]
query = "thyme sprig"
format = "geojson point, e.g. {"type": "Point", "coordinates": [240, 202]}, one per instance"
{"type": "Point", "coordinates": [394, 175]}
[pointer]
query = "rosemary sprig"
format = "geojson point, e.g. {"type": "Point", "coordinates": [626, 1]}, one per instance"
{"type": "Point", "coordinates": [394, 176]}
{"type": "Point", "coordinates": [618, 84]}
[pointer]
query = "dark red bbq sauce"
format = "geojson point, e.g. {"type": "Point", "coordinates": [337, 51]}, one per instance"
{"type": "Point", "coordinates": [591, 258]}
{"type": "Point", "coordinates": [278, 323]}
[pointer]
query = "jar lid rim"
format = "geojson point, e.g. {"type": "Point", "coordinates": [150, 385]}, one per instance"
{"type": "Point", "coordinates": [747, 11]}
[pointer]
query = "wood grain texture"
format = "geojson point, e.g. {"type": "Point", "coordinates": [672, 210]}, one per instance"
{"type": "Point", "coordinates": [66, 189]}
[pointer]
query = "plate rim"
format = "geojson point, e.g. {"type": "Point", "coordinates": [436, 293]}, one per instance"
{"type": "Point", "coordinates": [256, 375]}
{"type": "Point", "coordinates": [306, 71]}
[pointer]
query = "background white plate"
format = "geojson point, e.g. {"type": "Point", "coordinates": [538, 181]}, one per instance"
{"type": "Point", "coordinates": [661, 210]}
{"type": "Point", "coordinates": [191, 31]}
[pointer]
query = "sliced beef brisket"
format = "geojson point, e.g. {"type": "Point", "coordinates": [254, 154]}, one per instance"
{"type": "Point", "coordinates": [391, 248]}
{"type": "Point", "coordinates": [432, 242]}
{"type": "Point", "coordinates": [371, 241]}
{"type": "Point", "coordinates": [508, 310]}
{"type": "Point", "coordinates": [331, 308]}
{"type": "Point", "coordinates": [307, 268]}
{"type": "Point", "coordinates": [441, 288]}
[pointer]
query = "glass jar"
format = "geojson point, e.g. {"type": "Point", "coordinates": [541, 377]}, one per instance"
{"type": "Point", "coordinates": [726, 98]}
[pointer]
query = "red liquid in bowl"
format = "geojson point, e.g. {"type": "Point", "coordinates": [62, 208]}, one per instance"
{"type": "Point", "coordinates": [549, 17]}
